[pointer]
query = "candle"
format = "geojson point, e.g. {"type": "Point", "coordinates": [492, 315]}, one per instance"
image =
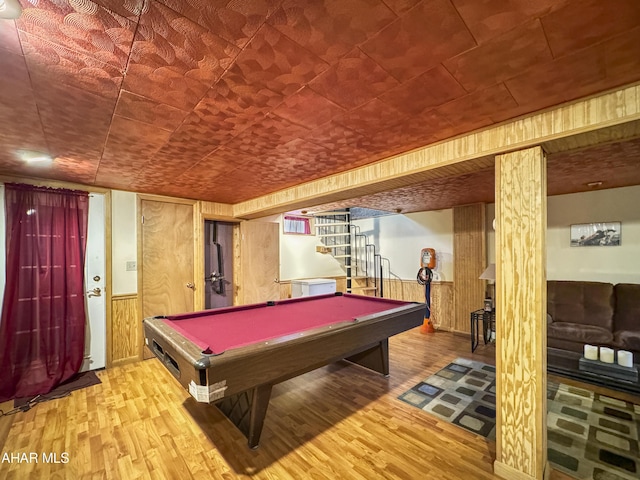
{"type": "Point", "coordinates": [591, 352]}
{"type": "Point", "coordinates": [606, 355]}
{"type": "Point", "coordinates": [625, 358]}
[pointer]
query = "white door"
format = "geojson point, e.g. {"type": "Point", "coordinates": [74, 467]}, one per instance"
{"type": "Point", "coordinates": [95, 343]}
{"type": "Point", "coordinates": [96, 333]}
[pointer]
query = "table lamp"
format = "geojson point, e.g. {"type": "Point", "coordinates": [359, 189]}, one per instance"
{"type": "Point", "coordinates": [488, 274]}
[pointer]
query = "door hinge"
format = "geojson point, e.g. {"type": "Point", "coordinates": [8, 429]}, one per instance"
{"type": "Point", "coordinates": [142, 219]}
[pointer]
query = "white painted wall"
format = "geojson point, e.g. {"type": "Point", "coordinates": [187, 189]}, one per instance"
{"type": "Point", "coordinates": [401, 238]}
{"type": "Point", "coordinates": [619, 264]}
{"type": "Point", "coordinates": [124, 242]}
{"type": "Point", "coordinates": [299, 259]}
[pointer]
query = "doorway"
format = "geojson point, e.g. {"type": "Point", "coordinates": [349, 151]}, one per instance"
{"type": "Point", "coordinates": [94, 275]}
{"type": "Point", "coordinates": [259, 262]}
{"type": "Point", "coordinates": [166, 279]}
{"type": "Point", "coordinates": [218, 264]}
{"type": "Point", "coordinates": [95, 353]}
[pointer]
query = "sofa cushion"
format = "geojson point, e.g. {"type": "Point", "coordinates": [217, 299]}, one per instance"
{"type": "Point", "coordinates": [627, 316]}
{"type": "Point", "coordinates": [563, 344]}
{"type": "Point", "coordinates": [583, 303]}
{"type": "Point", "coordinates": [580, 333]}
{"type": "Point", "coordinates": [627, 340]}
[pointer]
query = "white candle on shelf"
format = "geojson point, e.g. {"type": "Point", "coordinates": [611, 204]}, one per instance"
{"type": "Point", "coordinates": [625, 358]}
{"type": "Point", "coordinates": [606, 355]}
{"type": "Point", "coordinates": [591, 352]}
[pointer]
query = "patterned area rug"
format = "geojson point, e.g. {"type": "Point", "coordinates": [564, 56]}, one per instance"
{"type": "Point", "coordinates": [589, 436]}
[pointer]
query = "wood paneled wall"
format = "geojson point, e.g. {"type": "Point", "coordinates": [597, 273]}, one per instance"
{"type": "Point", "coordinates": [521, 343]}
{"type": "Point", "coordinates": [441, 299]}
{"type": "Point", "coordinates": [216, 211]}
{"type": "Point", "coordinates": [126, 330]}
{"type": "Point", "coordinates": [469, 261]}
{"type": "Point", "coordinates": [285, 289]}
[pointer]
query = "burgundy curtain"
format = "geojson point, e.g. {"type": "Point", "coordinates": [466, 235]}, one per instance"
{"type": "Point", "coordinates": [42, 326]}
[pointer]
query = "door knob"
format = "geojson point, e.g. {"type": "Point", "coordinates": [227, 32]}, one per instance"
{"type": "Point", "coordinates": [215, 276]}
{"type": "Point", "coordinates": [191, 286]}
{"type": "Point", "coordinates": [94, 292]}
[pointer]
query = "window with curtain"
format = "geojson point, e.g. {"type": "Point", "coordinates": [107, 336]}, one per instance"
{"type": "Point", "coordinates": [299, 225]}
{"type": "Point", "coordinates": [42, 326]}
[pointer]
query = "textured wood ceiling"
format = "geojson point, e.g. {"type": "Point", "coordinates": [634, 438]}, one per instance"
{"type": "Point", "coordinates": [227, 100]}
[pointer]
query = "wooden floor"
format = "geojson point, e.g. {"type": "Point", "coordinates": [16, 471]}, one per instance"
{"type": "Point", "coordinates": [338, 422]}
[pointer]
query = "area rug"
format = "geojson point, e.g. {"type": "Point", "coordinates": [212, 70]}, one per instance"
{"type": "Point", "coordinates": [78, 381]}
{"type": "Point", "coordinates": [589, 436]}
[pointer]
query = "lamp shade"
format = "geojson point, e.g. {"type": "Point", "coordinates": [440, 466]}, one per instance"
{"type": "Point", "coordinates": [489, 272]}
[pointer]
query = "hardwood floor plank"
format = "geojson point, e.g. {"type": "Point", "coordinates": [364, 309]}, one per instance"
{"type": "Point", "coordinates": [340, 421]}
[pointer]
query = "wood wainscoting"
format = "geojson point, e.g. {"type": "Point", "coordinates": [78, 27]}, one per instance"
{"type": "Point", "coordinates": [126, 330]}
{"type": "Point", "coordinates": [409, 291]}
{"type": "Point", "coordinates": [412, 291]}
{"type": "Point", "coordinates": [470, 260]}
{"type": "Point", "coordinates": [285, 289]}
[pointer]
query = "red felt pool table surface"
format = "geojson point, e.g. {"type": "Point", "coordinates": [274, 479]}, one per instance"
{"type": "Point", "coordinates": [227, 328]}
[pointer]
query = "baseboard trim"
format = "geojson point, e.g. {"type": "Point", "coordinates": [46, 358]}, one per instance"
{"type": "Point", "coordinates": [125, 361]}
{"type": "Point", "coordinates": [505, 471]}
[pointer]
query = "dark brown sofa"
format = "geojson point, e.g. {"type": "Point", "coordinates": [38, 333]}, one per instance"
{"type": "Point", "coordinates": [593, 313]}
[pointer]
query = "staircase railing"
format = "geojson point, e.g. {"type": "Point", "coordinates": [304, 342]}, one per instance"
{"type": "Point", "coordinates": [396, 276]}
{"type": "Point", "coordinates": [334, 230]}
{"type": "Point", "coordinates": [367, 253]}
{"type": "Point", "coordinates": [361, 257]}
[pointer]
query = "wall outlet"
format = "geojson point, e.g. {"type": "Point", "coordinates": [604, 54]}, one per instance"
{"type": "Point", "coordinates": [132, 266]}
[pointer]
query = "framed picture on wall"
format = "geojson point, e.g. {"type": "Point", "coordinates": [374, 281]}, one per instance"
{"type": "Point", "coordinates": [602, 234]}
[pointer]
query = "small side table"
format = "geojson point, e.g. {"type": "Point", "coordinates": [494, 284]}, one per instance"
{"type": "Point", "coordinates": [488, 320]}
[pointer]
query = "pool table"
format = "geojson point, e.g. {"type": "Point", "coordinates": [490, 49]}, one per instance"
{"type": "Point", "coordinates": [232, 356]}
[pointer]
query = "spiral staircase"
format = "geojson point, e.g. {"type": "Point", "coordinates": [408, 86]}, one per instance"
{"type": "Point", "coordinates": [364, 267]}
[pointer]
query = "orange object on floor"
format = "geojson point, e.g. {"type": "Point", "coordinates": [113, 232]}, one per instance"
{"type": "Point", "coordinates": [427, 326]}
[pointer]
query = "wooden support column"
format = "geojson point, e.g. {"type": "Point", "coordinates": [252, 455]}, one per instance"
{"type": "Point", "coordinates": [521, 344]}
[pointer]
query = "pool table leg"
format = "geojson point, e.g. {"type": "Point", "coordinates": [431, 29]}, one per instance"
{"type": "Point", "coordinates": [375, 358]}
{"type": "Point", "coordinates": [247, 411]}
{"type": "Point", "coordinates": [259, 405]}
